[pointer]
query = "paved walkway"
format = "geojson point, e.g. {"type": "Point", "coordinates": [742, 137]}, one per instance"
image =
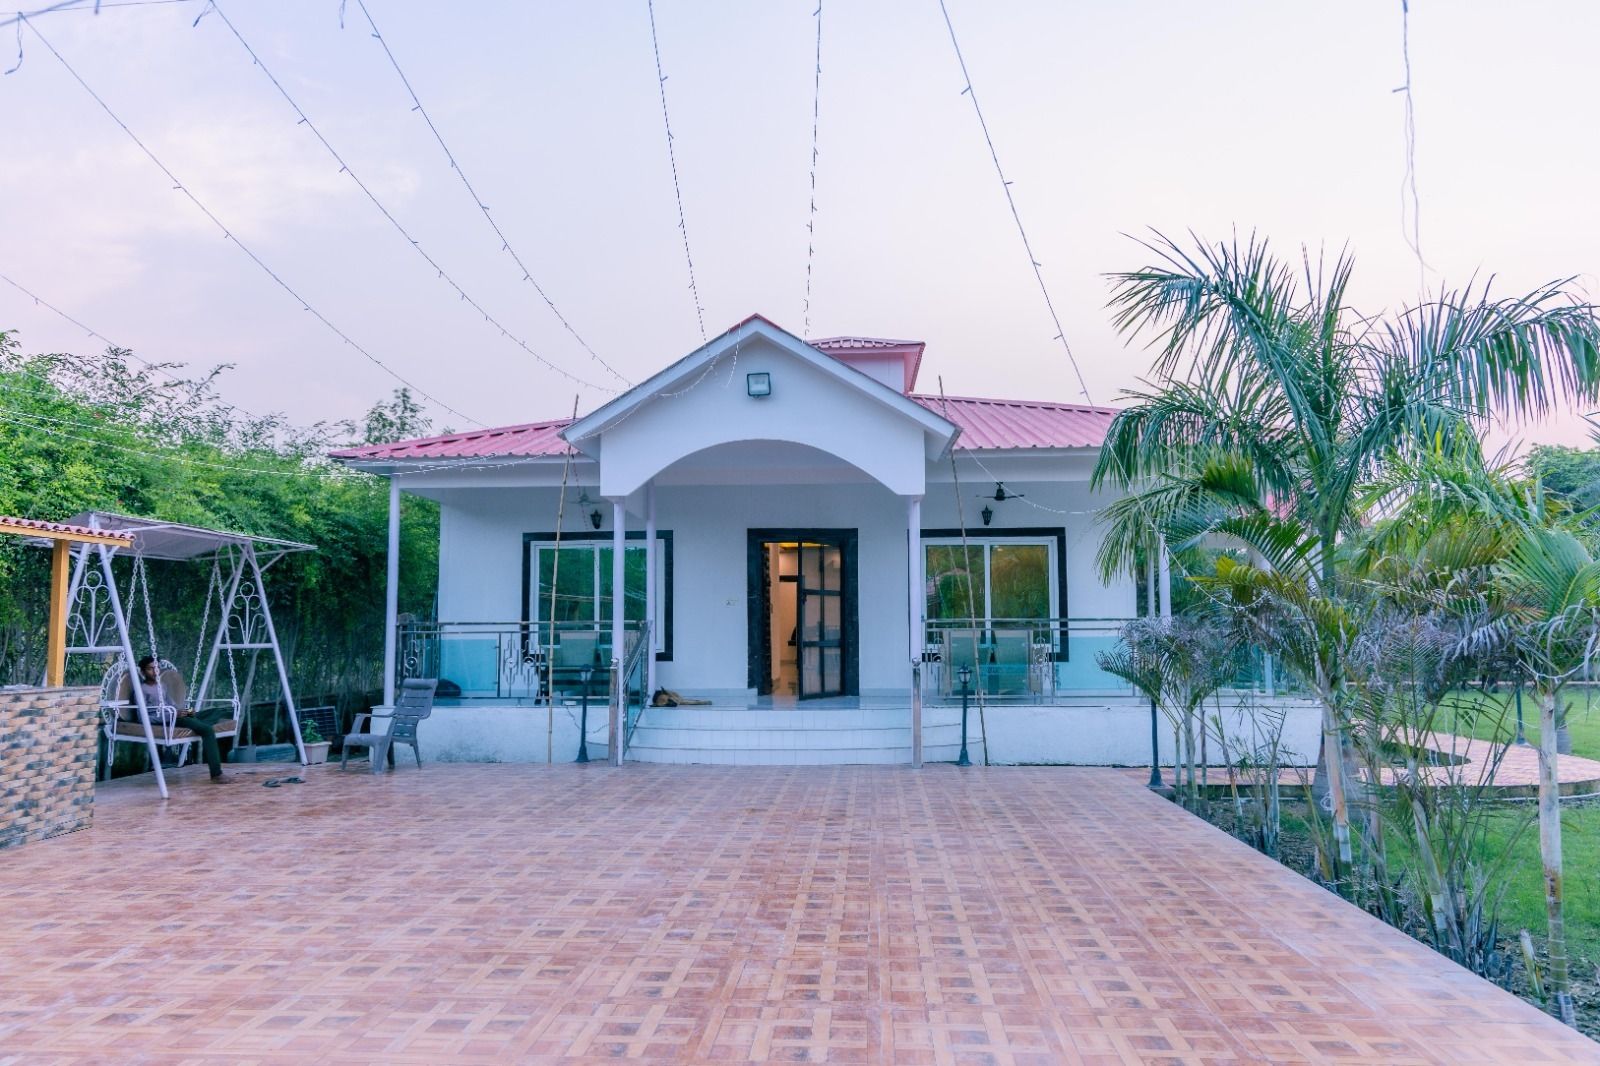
{"type": "Point", "coordinates": [1516, 776]}
{"type": "Point", "coordinates": [697, 914]}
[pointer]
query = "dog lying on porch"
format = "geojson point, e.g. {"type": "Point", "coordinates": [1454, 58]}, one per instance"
{"type": "Point", "coordinates": [665, 697]}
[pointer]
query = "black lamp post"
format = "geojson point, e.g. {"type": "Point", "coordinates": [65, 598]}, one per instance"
{"type": "Point", "coordinates": [1521, 737]}
{"type": "Point", "coordinates": [1155, 749]}
{"type": "Point", "coordinates": [964, 675]}
{"type": "Point", "coordinates": [585, 673]}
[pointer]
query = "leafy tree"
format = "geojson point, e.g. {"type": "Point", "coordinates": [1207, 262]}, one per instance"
{"type": "Point", "coordinates": [400, 418]}
{"type": "Point", "coordinates": [1572, 474]}
{"type": "Point", "coordinates": [82, 433]}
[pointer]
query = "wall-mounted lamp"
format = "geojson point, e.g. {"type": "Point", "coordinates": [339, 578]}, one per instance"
{"type": "Point", "coordinates": [758, 384]}
{"type": "Point", "coordinates": [1000, 495]}
{"type": "Point", "coordinates": [594, 515]}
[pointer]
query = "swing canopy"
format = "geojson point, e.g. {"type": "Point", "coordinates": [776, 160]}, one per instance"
{"type": "Point", "coordinates": [174, 542]}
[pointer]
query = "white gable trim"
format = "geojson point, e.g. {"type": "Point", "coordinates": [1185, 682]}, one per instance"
{"type": "Point", "coordinates": [582, 433]}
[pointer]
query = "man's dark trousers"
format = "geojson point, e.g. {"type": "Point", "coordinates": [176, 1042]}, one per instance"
{"type": "Point", "coordinates": [204, 725]}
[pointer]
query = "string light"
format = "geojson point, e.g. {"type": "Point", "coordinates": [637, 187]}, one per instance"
{"type": "Point", "coordinates": [345, 168]}
{"type": "Point", "coordinates": [811, 220]}
{"type": "Point", "coordinates": [231, 408]}
{"type": "Point", "coordinates": [1408, 184]}
{"type": "Point", "coordinates": [229, 235]}
{"type": "Point", "coordinates": [79, 6]}
{"type": "Point", "coordinates": [672, 157]}
{"type": "Point", "coordinates": [1016, 215]}
{"type": "Point", "coordinates": [483, 208]}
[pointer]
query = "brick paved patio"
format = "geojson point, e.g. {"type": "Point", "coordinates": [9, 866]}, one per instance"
{"type": "Point", "coordinates": [514, 913]}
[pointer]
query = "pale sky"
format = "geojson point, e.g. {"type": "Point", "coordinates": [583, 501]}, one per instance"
{"type": "Point", "coordinates": [1110, 119]}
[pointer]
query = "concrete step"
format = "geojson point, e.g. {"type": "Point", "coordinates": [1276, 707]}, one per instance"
{"type": "Point", "coordinates": [739, 736]}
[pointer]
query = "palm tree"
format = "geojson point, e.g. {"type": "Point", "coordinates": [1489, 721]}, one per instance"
{"type": "Point", "coordinates": [1277, 402]}
{"type": "Point", "coordinates": [1551, 587]}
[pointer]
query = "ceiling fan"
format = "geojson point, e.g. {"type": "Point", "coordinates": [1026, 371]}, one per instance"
{"type": "Point", "coordinates": [1000, 496]}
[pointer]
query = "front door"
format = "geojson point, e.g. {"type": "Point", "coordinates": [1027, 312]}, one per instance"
{"type": "Point", "coordinates": [802, 631]}
{"type": "Point", "coordinates": [819, 636]}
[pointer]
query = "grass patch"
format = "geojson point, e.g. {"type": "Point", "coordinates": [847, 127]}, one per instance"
{"type": "Point", "coordinates": [1496, 719]}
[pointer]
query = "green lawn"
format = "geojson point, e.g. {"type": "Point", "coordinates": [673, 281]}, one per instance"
{"type": "Point", "coordinates": [1497, 718]}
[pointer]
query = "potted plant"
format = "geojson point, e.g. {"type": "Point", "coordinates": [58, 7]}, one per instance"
{"type": "Point", "coordinates": [316, 744]}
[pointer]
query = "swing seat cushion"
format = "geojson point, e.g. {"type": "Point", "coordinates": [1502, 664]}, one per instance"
{"type": "Point", "coordinates": [134, 731]}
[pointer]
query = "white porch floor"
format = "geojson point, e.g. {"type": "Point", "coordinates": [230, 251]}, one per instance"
{"type": "Point", "coordinates": [737, 730]}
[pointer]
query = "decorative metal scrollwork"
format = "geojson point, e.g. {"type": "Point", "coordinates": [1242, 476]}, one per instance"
{"type": "Point", "coordinates": [246, 618]}
{"type": "Point", "coordinates": [91, 623]}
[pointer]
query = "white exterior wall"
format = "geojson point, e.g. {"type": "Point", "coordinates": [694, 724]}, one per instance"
{"type": "Point", "coordinates": [481, 560]}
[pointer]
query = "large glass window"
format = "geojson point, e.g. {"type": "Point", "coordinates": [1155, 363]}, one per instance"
{"type": "Point", "coordinates": [572, 584]}
{"type": "Point", "coordinates": [998, 580]}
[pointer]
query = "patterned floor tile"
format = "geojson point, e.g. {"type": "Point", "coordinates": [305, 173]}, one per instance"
{"type": "Point", "coordinates": [488, 914]}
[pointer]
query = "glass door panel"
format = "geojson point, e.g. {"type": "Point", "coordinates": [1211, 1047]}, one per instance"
{"type": "Point", "coordinates": [821, 633]}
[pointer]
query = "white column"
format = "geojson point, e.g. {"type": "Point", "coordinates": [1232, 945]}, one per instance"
{"type": "Point", "coordinates": [1167, 583]}
{"type": "Point", "coordinates": [652, 564]}
{"type": "Point", "coordinates": [391, 599]}
{"type": "Point", "coordinates": [619, 545]}
{"type": "Point", "coordinates": [1151, 607]}
{"type": "Point", "coordinates": [917, 584]}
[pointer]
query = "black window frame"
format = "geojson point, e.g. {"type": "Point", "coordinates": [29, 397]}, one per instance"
{"type": "Point", "coordinates": [664, 536]}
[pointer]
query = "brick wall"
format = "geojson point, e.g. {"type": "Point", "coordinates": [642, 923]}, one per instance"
{"type": "Point", "coordinates": [47, 757]}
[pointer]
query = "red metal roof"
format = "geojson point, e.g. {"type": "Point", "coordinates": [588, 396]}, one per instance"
{"type": "Point", "coordinates": [985, 424]}
{"type": "Point", "coordinates": [531, 439]}
{"type": "Point", "coordinates": [910, 352]}
{"type": "Point", "coordinates": [22, 526]}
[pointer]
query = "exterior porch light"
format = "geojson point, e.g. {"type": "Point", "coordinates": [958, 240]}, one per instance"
{"type": "Point", "coordinates": [964, 675]}
{"type": "Point", "coordinates": [758, 384]}
{"type": "Point", "coordinates": [585, 675]}
{"type": "Point", "coordinates": [594, 514]}
{"type": "Point", "coordinates": [988, 515]}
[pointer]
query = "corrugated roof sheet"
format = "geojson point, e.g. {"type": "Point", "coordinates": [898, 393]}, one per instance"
{"type": "Point", "coordinates": [530, 440]}
{"type": "Point", "coordinates": [850, 343]}
{"type": "Point", "coordinates": [22, 526]}
{"type": "Point", "coordinates": [985, 424]}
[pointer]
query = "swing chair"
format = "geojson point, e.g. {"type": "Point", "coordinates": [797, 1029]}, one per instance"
{"type": "Point", "coordinates": [101, 622]}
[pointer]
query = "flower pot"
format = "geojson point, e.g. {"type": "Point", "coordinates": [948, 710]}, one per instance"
{"type": "Point", "coordinates": [317, 753]}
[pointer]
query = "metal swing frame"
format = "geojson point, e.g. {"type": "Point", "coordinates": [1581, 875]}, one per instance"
{"type": "Point", "coordinates": [98, 622]}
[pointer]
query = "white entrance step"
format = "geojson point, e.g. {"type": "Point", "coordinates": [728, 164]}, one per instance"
{"type": "Point", "coordinates": [796, 735]}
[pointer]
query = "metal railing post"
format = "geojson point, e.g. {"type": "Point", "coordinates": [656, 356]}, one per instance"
{"type": "Point", "coordinates": [916, 714]}
{"type": "Point", "coordinates": [618, 738]}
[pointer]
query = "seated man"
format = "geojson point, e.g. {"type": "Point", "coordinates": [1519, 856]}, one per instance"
{"type": "Point", "coordinates": [201, 723]}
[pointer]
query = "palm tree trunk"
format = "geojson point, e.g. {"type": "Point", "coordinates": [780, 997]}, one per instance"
{"type": "Point", "coordinates": [1332, 764]}
{"type": "Point", "coordinates": [1550, 853]}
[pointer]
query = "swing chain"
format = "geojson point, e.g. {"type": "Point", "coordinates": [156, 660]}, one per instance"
{"type": "Point", "coordinates": [141, 587]}
{"type": "Point", "coordinates": [213, 591]}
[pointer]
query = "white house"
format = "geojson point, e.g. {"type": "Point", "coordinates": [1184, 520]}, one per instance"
{"type": "Point", "coordinates": [796, 530]}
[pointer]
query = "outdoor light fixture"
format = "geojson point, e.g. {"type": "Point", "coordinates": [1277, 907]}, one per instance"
{"type": "Point", "coordinates": [585, 674]}
{"type": "Point", "coordinates": [1000, 495]}
{"type": "Point", "coordinates": [594, 515]}
{"type": "Point", "coordinates": [964, 675]}
{"type": "Point", "coordinates": [758, 384]}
